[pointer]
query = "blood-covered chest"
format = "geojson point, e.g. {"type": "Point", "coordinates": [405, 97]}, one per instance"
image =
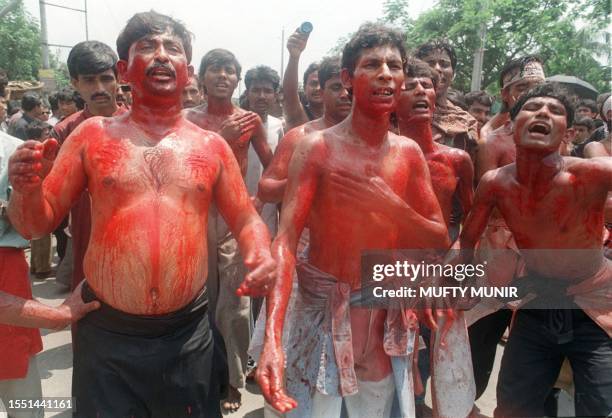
{"type": "Point", "coordinates": [165, 167]}
{"type": "Point", "coordinates": [444, 177]}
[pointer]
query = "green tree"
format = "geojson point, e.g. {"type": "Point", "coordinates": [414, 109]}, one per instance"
{"type": "Point", "coordinates": [569, 34]}
{"type": "Point", "coordinates": [19, 44]}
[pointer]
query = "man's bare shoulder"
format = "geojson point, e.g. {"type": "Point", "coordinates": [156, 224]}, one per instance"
{"type": "Point", "coordinates": [407, 146]}
{"type": "Point", "coordinates": [499, 178]}
{"type": "Point", "coordinates": [597, 149]}
{"type": "Point", "coordinates": [502, 134]}
{"type": "Point", "coordinates": [90, 129]}
{"type": "Point", "coordinates": [590, 167]}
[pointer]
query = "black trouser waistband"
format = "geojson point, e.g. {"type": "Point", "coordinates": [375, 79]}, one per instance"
{"type": "Point", "coordinates": [118, 321]}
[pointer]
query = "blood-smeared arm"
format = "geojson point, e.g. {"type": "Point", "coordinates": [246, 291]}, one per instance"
{"type": "Point", "coordinates": [235, 206]}
{"type": "Point", "coordinates": [42, 195]}
{"type": "Point", "coordinates": [33, 314]}
{"type": "Point", "coordinates": [595, 149]}
{"type": "Point", "coordinates": [486, 159]}
{"type": "Point", "coordinates": [301, 187]}
{"type": "Point", "coordinates": [271, 188]}
{"type": "Point", "coordinates": [476, 221]}
{"type": "Point", "coordinates": [292, 107]}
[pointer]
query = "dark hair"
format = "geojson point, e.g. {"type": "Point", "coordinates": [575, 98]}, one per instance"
{"type": "Point", "coordinates": [219, 57]}
{"type": "Point", "coordinates": [437, 45]}
{"type": "Point", "coordinates": [35, 129]}
{"type": "Point", "coordinates": [588, 103]}
{"type": "Point", "coordinates": [547, 89]}
{"type": "Point", "coordinates": [65, 95]}
{"type": "Point", "coordinates": [151, 23]}
{"type": "Point", "coordinates": [329, 68]}
{"type": "Point", "coordinates": [91, 57]}
{"type": "Point", "coordinates": [480, 97]}
{"type": "Point", "coordinates": [29, 101]}
{"type": "Point", "coordinates": [13, 107]}
{"type": "Point", "coordinates": [584, 121]}
{"type": "Point", "coordinates": [262, 73]}
{"type": "Point", "coordinates": [53, 101]}
{"type": "Point", "coordinates": [370, 35]}
{"type": "Point", "coordinates": [519, 63]}
{"type": "Point", "coordinates": [311, 69]}
{"type": "Point", "coordinates": [416, 68]}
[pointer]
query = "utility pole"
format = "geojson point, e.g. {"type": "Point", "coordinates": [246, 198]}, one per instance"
{"type": "Point", "coordinates": [43, 35]}
{"type": "Point", "coordinates": [478, 58]}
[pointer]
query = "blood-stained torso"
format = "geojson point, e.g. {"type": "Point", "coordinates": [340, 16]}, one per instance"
{"type": "Point", "coordinates": [565, 214]}
{"type": "Point", "coordinates": [443, 165]}
{"type": "Point", "coordinates": [147, 253]}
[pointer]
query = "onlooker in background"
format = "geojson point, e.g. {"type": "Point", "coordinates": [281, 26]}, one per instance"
{"type": "Point", "coordinates": [93, 75]}
{"type": "Point", "coordinates": [45, 112]}
{"type": "Point", "coordinates": [67, 102]}
{"type": "Point", "coordinates": [55, 112]}
{"type": "Point", "coordinates": [192, 96]}
{"type": "Point", "coordinates": [479, 106]}
{"type": "Point", "coordinates": [3, 115]}
{"type": "Point", "coordinates": [586, 108]}
{"type": "Point", "coordinates": [31, 106]}
{"type": "Point", "coordinates": [453, 126]}
{"type": "Point", "coordinates": [583, 126]}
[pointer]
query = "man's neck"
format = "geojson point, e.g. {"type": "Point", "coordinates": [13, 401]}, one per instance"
{"type": "Point", "coordinates": [316, 109]}
{"type": "Point", "coordinates": [537, 168]}
{"type": "Point", "coordinates": [420, 132]}
{"type": "Point", "coordinates": [442, 98]}
{"type": "Point", "coordinates": [105, 111]}
{"type": "Point", "coordinates": [157, 118]}
{"type": "Point", "coordinates": [371, 129]}
{"type": "Point", "coordinates": [220, 106]}
{"type": "Point", "coordinates": [330, 119]}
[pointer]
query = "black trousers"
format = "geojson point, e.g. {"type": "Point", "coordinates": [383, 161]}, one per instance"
{"type": "Point", "coordinates": [484, 337]}
{"type": "Point", "coordinates": [137, 366]}
{"type": "Point", "coordinates": [538, 343]}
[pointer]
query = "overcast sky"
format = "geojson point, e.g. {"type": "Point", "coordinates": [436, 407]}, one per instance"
{"type": "Point", "coordinates": [251, 29]}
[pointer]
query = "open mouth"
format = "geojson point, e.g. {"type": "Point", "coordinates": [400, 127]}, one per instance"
{"type": "Point", "coordinates": [421, 105]}
{"type": "Point", "coordinates": [162, 74]}
{"type": "Point", "coordinates": [384, 92]}
{"type": "Point", "coordinates": [539, 128]}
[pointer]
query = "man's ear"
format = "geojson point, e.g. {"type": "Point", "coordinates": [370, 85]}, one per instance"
{"type": "Point", "coordinates": [122, 71]}
{"type": "Point", "coordinates": [74, 82]}
{"type": "Point", "coordinates": [346, 78]}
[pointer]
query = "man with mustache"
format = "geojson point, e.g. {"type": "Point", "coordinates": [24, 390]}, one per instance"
{"type": "Point", "coordinates": [219, 75]}
{"type": "Point", "coordinates": [93, 74]}
{"type": "Point", "coordinates": [191, 94]}
{"type": "Point", "coordinates": [152, 177]}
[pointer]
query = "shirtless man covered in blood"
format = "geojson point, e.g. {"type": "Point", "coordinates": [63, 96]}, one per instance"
{"type": "Point", "coordinates": [337, 105]}
{"type": "Point", "coordinates": [361, 187]}
{"type": "Point", "coordinates": [554, 207]}
{"type": "Point", "coordinates": [152, 176]}
{"type": "Point", "coordinates": [452, 177]}
{"type": "Point", "coordinates": [219, 75]}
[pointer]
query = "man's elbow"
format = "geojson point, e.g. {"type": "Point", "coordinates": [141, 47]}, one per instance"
{"type": "Point", "coordinates": [267, 191]}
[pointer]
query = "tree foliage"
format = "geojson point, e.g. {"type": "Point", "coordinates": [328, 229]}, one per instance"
{"type": "Point", "coordinates": [19, 44]}
{"type": "Point", "coordinates": [569, 34]}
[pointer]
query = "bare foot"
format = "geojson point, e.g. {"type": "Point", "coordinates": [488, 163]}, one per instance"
{"type": "Point", "coordinates": [233, 402]}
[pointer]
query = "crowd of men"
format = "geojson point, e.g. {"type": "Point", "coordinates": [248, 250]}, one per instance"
{"type": "Point", "coordinates": [208, 241]}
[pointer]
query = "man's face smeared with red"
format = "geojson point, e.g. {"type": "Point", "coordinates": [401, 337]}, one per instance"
{"type": "Point", "coordinates": [377, 79]}
{"type": "Point", "coordinates": [417, 101]}
{"type": "Point", "coordinates": [540, 125]}
{"type": "Point", "coordinates": [157, 65]}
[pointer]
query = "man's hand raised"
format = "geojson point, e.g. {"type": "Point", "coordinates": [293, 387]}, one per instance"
{"type": "Point", "coordinates": [31, 163]}
{"type": "Point", "coordinates": [297, 43]}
